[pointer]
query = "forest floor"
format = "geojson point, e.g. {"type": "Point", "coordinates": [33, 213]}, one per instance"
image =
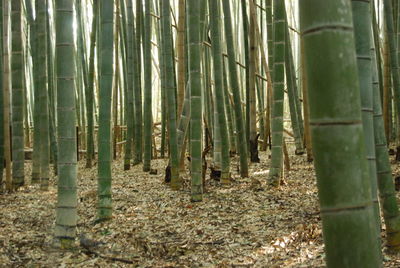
{"type": "Point", "coordinates": [245, 224]}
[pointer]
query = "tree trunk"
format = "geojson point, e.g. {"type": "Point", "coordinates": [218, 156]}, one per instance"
{"type": "Point", "coordinates": [17, 78]}
{"type": "Point", "coordinates": [137, 57]}
{"type": "Point", "coordinates": [387, 191]}
{"type": "Point", "coordinates": [129, 118]}
{"type": "Point", "coordinates": [234, 82]}
{"type": "Point", "coordinates": [304, 87]}
{"type": "Point", "coordinates": [170, 89]}
{"type": "Point", "coordinates": [278, 93]}
{"type": "Point", "coordinates": [66, 211]}
{"type": "Point", "coordinates": [362, 33]}
{"type": "Point", "coordinates": [394, 63]}
{"type": "Point", "coordinates": [104, 206]}
{"type": "Point", "coordinates": [2, 126]}
{"type": "Point", "coordinates": [215, 18]}
{"type": "Point", "coordinates": [253, 136]}
{"type": "Point", "coordinates": [295, 111]}
{"type": "Point", "coordinates": [247, 69]}
{"type": "Point", "coordinates": [43, 94]}
{"type": "Point", "coordinates": [337, 135]}
{"type": "Point", "coordinates": [147, 107]}
{"type": "Point", "coordinates": [193, 11]}
{"type": "Point", "coordinates": [90, 89]}
{"type": "Point", "coordinates": [180, 54]}
{"type": "Point", "coordinates": [6, 85]}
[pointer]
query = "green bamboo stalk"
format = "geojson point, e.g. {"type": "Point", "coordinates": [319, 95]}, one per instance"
{"type": "Point", "coordinates": [270, 37]}
{"type": "Point", "coordinates": [193, 12]}
{"type": "Point", "coordinates": [116, 84]}
{"type": "Point", "coordinates": [90, 89]}
{"type": "Point", "coordinates": [396, 13]}
{"type": "Point", "coordinates": [392, 112]}
{"type": "Point", "coordinates": [78, 92]}
{"type": "Point", "coordinates": [253, 56]}
{"type": "Point", "coordinates": [203, 25]}
{"type": "Point", "coordinates": [386, 92]}
{"type": "Point", "coordinates": [104, 206]}
{"type": "Point", "coordinates": [216, 49]}
{"type": "Point", "coordinates": [337, 135]}
{"type": "Point", "coordinates": [66, 212]}
{"type": "Point", "coordinates": [52, 126]}
{"type": "Point", "coordinates": [170, 89]}
{"type": "Point", "coordinates": [295, 116]}
{"type": "Point", "coordinates": [270, 49]}
{"type": "Point", "coordinates": [1, 99]}
{"type": "Point", "coordinates": [234, 82]}
{"type": "Point", "coordinates": [137, 58]}
{"type": "Point", "coordinates": [247, 64]}
{"type": "Point", "coordinates": [216, 130]}
{"type": "Point", "coordinates": [395, 9]}
{"type": "Point", "coordinates": [163, 124]}
{"type": "Point", "coordinates": [299, 106]}
{"type": "Point", "coordinates": [180, 53]}
{"type": "Point", "coordinates": [206, 79]}
{"type": "Point", "coordinates": [17, 78]}
{"type": "Point", "coordinates": [183, 123]}
{"type": "Point", "coordinates": [162, 90]}
{"type": "Point", "coordinates": [129, 91]}
{"type": "Point", "coordinates": [147, 109]}
{"type": "Point", "coordinates": [52, 93]}
{"type": "Point", "coordinates": [394, 63]}
{"type": "Point", "coordinates": [28, 69]}
{"type": "Point", "coordinates": [82, 73]}
{"type": "Point", "coordinates": [304, 89]}
{"type": "Point", "coordinates": [28, 83]}
{"type": "Point", "coordinates": [33, 38]}
{"type": "Point", "coordinates": [278, 93]}
{"type": "Point", "coordinates": [211, 136]}
{"type": "Point", "coordinates": [378, 48]}
{"type": "Point", "coordinates": [27, 90]}
{"type": "Point", "coordinates": [260, 109]}
{"type": "Point", "coordinates": [43, 94]}
{"type": "Point", "coordinates": [362, 32]}
{"type": "Point", "coordinates": [387, 191]}
{"type": "Point", "coordinates": [208, 107]}
{"type": "Point", "coordinates": [261, 90]}
{"type": "Point", "coordinates": [228, 112]}
{"type": "Point", "coordinates": [6, 87]}
{"type": "Point", "coordinates": [127, 81]}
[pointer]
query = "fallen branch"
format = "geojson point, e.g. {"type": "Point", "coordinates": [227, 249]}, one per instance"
{"type": "Point", "coordinates": [88, 244]}
{"type": "Point", "coordinates": [216, 242]}
{"type": "Point", "coordinates": [90, 252]}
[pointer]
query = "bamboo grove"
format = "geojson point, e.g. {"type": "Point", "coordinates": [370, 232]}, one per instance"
{"type": "Point", "coordinates": [204, 81]}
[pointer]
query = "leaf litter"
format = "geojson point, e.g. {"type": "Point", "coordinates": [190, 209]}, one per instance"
{"type": "Point", "coordinates": [245, 224]}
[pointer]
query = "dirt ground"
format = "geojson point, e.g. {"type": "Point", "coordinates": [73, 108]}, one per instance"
{"type": "Point", "coordinates": [245, 224]}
